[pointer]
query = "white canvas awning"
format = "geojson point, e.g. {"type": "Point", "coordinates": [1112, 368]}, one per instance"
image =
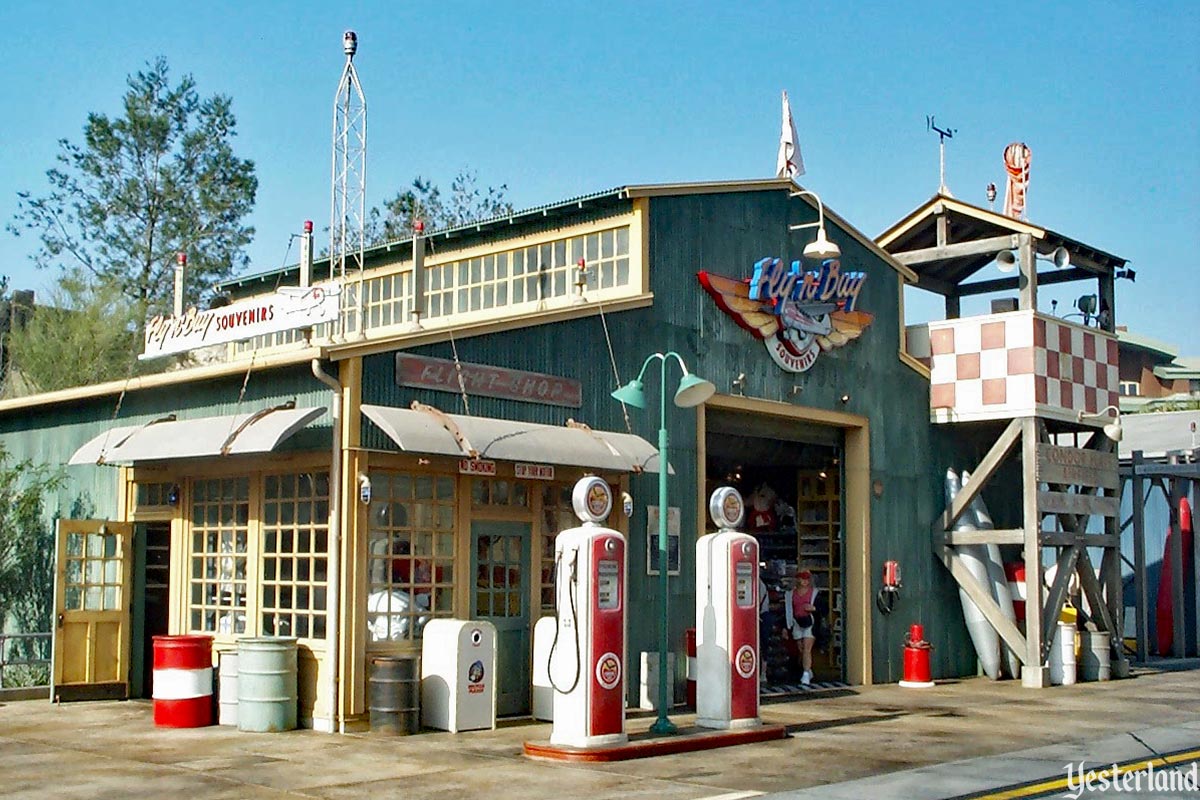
{"type": "Point", "coordinates": [429, 431]}
{"type": "Point", "coordinates": [167, 438]}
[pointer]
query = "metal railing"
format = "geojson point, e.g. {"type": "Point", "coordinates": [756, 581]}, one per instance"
{"type": "Point", "coordinates": [28, 652]}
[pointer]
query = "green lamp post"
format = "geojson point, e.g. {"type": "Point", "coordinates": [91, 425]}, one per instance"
{"type": "Point", "coordinates": [693, 391]}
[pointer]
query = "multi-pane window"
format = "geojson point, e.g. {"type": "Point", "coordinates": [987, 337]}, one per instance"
{"type": "Point", "coordinates": [295, 553]}
{"type": "Point", "coordinates": [524, 275]}
{"type": "Point", "coordinates": [531, 274]}
{"type": "Point", "coordinates": [411, 553]}
{"type": "Point", "coordinates": [498, 568]}
{"type": "Point", "coordinates": [93, 573]}
{"type": "Point", "coordinates": [156, 494]}
{"type": "Point", "coordinates": [220, 546]}
{"type": "Point", "coordinates": [557, 515]}
{"type": "Point", "coordinates": [388, 300]}
{"type": "Point", "coordinates": [499, 492]}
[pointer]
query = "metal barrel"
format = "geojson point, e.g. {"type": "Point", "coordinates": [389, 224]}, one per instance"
{"type": "Point", "coordinates": [1095, 660]}
{"type": "Point", "coordinates": [1062, 655]}
{"type": "Point", "coordinates": [227, 687]}
{"type": "Point", "coordinates": [182, 690]}
{"type": "Point", "coordinates": [266, 684]}
{"type": "Point", "coordinates": [395, 698]}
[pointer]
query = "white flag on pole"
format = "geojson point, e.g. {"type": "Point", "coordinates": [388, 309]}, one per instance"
{"type": "Point", "coordinates": [789, 164]}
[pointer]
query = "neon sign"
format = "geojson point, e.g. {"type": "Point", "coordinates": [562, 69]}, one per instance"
{"type": "Point", "coordinates": [797, 314]}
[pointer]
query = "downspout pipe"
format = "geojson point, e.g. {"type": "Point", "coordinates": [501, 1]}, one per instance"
{"type": "Point", "coordinates": [335, 540]}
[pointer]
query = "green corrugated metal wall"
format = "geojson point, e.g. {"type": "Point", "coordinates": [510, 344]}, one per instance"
{"type": "Point", "coordinates": [726, 234]}
{"type": "Point", "coordinates": [50, 435]}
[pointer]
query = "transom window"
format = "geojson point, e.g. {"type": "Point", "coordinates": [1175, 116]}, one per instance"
{"type": "Point", "coordinates": [156, 494]}
{"type": "Point", "coordinates": [411, 553]}
{"type": "Point", "coordinates": [499, 492]}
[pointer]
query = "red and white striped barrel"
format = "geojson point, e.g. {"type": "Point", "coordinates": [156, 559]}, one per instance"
{"type": "Point", "coordinates": [689, 641]}
{"type": "Point", "coordinates": [183, 681]}
{"type": "Point", "coordinates": [1014, 571]}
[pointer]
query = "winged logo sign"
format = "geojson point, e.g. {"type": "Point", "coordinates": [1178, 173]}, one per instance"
{"type": "Point", "coordinates": [797, 314]}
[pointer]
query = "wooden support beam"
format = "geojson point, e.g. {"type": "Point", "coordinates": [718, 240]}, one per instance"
{"type": "Point", "coordinates": [1142, 600]}
{"type": "Point", "coordinates": [945, 252]}
{"type": "Point", "coordinates": [1057, 596]}
{"type": "Point", "coordinates": [1078, 504]}
{"type": "Point", "coordinates": [1008, 284]}
{"type": "Point", "coordinates": [1028, 278]}
{"type": "Point", "coordinates": [1110, 580]}
{"type": "Point", "coordinates": [1008, 536]}
{"type": "Point", "coordinates": [1095, 595]}
{"type": "Point", "coordinates": [1034, 674]}
{"type": "Point", "coordinates": [1169, 470]}
{"type": "Point", "coordinates": [981, 596]}
{"type": "Point", "coordinates": [953, 306]}
{"type": "Point", "coordinates": [1175, 557]}
{"type": "Point", "coordinates": [979, 477]}
{"type": "Point", "coordinates": [936, 285]}
{"type": "Point", "coordinates": [1072, 538]}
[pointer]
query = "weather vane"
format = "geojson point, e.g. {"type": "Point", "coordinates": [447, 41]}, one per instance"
{"type": "Point", "coordinates": [943, 135]}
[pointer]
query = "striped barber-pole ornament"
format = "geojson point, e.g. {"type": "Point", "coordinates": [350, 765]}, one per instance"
{"type": "Point", "coordinates": [183, 681]}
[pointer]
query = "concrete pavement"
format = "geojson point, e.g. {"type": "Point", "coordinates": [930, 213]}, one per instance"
{"type": "Point", "coordinates": [888, 741]}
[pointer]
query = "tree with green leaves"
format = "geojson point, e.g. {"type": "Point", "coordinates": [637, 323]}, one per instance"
{"type": "Point", "coordinates": [159, 179]}
{"type": "Point", "coordinates": [26, 549]}
{"type": "Point", "coordinates": [85, 332]}
{"type": "Point", "coordinates": [423, 201]}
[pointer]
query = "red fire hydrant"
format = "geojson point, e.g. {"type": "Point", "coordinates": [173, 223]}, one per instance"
{"type": "Point", "coordinates": [917, 672]}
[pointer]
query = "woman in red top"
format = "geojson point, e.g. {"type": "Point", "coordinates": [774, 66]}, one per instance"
{"type": "Point", "coordinates": [800, 609]}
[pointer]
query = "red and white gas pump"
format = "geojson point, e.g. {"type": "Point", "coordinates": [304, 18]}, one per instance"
{"type": "Point", "coordinates": [587, 658]}
{"type": "Point", "coordinates": [727, 651]}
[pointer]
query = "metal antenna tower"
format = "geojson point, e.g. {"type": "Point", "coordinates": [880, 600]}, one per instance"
{"type": "Point", "coordinates": [943, 135]}
{"type": "Point", "coordinates": [347, 215]}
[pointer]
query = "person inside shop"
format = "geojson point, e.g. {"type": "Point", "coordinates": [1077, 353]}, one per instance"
{"type": "Point", "coordinates": [800, 609]}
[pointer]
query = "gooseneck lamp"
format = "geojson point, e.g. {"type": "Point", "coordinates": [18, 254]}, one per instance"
{"type": "Point", "coordinates": [692, 391]}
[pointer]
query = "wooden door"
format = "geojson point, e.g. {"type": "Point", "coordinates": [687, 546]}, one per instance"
{"type": "Point", "coordinates": [91, 610]}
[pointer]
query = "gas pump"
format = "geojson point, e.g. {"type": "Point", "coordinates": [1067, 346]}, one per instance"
{"type": "Point", "coordinates": [727, 651]}
{"type": "Point", "coordinates": [587, 657]}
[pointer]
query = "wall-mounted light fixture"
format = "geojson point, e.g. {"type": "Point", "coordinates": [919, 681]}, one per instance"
{"type": "Point", "coordinates": [820, 248]}
{"type": "Point", "coordinates": [1112, 430]}
{"type": "Point", "coordinates": [845, 399]}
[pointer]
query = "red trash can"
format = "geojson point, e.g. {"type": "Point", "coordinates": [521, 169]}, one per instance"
{"type": "Point", "coordinates": [183, 684]}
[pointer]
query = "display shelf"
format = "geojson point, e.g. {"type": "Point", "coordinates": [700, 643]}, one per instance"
{"type": "Point", "coordinates": [819, 548]}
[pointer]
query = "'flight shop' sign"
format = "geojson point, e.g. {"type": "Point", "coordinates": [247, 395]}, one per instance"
{"type": "Point", "coordinates": [797, 314]}
{"type": "Point", "coordinates": [290, 307]}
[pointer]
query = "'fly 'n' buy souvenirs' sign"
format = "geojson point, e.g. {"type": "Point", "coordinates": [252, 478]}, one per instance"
{"type": "Point", "coordinates": [797, 314]}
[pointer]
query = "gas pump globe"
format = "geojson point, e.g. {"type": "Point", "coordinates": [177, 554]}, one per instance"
{"type": "Point", "coordinates": [727, 646]}
{"type": "Point", "coordinates": [587, 658]}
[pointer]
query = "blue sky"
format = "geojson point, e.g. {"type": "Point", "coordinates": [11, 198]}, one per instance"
{"type": "Point", "coordinates": [560, 99]}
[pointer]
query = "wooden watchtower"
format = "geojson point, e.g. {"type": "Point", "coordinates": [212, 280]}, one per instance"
{"type": "Point", "coordinates": [1039, 387]}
